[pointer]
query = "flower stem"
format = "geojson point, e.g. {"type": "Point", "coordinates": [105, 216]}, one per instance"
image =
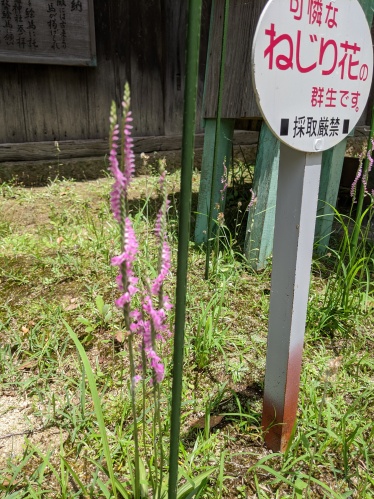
{"type": "Point", "coordinates": [135, 424]}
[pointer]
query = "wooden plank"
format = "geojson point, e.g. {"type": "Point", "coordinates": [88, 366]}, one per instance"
{"type": "Point", "coordinates": [238, 100]}
{"type": "Point", "coordinates": [53, 32]}
{"type": "Point", "coordinates": [332, 165]}
{"type": "Point", "coordinates": [258, 244]}
{"type": "Point", "coordinates": [62, 89]}
{"type": "Point", "coordinates": [73, 103]}
{"type": "Point", "coordinates": [101, 84]}
{"type": "Point", "coordinates": [367, 5]}
{"type": "Point", "coordinates": [175, 19]}
{"type": "Point", "coordinates": [146, 67]}
{"type": "Point", "coordinates": [41, 120]}
{"type": "Point", "coordinates": [12, 123]}
{"type": "Point", "coordinates": [210, 186]}
{"type": "Point", "coordinates": [207, 6]}
{"type": "Point", "coordinates": [34, 151]}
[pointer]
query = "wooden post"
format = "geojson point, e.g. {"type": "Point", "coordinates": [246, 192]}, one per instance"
{"type": "Point", "coordinates": [260, 226]}
{"type": "Point", "coordinates": [332, 165]}
{"type": "Point", "coordinates": [259, 238]}
{"type": "Point", "coordinates": [223, 155]}
{"type": "Point", "coordinates": [297, 196]}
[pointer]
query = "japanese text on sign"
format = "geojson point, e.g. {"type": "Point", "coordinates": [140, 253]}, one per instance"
{"type": "Point", "coordinates": [327, 56]}
{"type": "Point", "coordinates": [312, 68]}
{"type": "Point", "coordinates": [42, 28]}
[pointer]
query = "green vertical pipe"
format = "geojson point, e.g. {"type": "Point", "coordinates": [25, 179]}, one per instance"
{"type": "Point", "coordinates": [217, 134]}
{"type": "Point", "coordinates": [189, 117]}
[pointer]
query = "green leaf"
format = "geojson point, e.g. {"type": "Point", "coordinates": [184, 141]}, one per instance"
{"type": "Point", "coordinates": [300, 485]}
{"type": "Point", "coordinates": [305, 441]}
{"type": "Point", "coordinates": [325, 487]}
{"type": "Point", "coordinates": [193, 485]}
{"type": "Point", "coordinates": [75, 477]}
{"type": "Point", "coordinates": [275, 473]}
{"type": "Point", "coordinates": [104, 488]}
{"type": "Point", "coordinates": [97, 403]}
{"type": "Point", "coordinates": [143, 479]}
{"type": "Point", "coordinates": [84, 321]}
{"type": "Point", "coordinates": [119, 486]}
{"type": "Point", "coordinates": [33, 494]}
{"type": "Point", "coordinates": [99, 304]}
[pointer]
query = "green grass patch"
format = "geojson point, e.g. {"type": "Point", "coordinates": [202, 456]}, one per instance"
{"type": "Point", "coordinates": [55, 248]}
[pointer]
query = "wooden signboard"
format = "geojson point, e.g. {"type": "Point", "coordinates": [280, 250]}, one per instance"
{"type": "Point", "coordinates": [47, 32]}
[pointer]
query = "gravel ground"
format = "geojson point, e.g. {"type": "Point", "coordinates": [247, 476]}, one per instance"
{"type": "Point", "coordinates": [19, 424]}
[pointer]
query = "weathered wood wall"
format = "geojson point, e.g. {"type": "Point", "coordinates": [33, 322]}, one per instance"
{"type": "Point", "coordinates": [238, 99]}
{"type": "Point", "coordinates": [139, 42]}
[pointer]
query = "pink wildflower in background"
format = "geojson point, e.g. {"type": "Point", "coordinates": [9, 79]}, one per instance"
{"type": "Point", "coordinates": [253, 200]}
{"type": "Point", "coordinates": [122, 175]}
{"type": "Point", "coordinates": [161, 235]}
{"type": "Point", "coordinates": [224, 182]}
{"type": "Point", "coordinates": [363, 175]}
{"type": "Point", "coordinates": [357, 178]}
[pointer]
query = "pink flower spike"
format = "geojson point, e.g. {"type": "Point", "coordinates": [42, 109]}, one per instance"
{"type": "Point", "coordinates": [157, 365]}
{"type": "Point", "coordinates": [357, 178]}
{"type": "Point", "coordinates": [135, 381]}
{"type": "Point", "coordinates": [122, 300]}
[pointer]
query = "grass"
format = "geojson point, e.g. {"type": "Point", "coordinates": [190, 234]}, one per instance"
{"type": "Point", "coordinates": [55, 247]}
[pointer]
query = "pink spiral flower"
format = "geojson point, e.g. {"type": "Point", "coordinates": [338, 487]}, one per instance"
{"type": "Point", "coordinates": [149, 322]}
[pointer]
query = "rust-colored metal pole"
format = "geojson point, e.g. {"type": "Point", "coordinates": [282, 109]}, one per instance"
{"type": "Point", "coordinates": [297, 197]}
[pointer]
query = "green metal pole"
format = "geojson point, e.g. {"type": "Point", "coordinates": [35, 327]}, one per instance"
{"type": "Point", "coordinates": [217, 134]}
{"type": "Point", "coordinates": [189, 117]}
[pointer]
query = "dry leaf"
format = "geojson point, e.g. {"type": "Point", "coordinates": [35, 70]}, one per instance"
{"type": "Point", "coordinates": [28, 365]}
{"type": "Point", "coordinates": [7, 481]}
{"type": "Point", "coordinates": [120, 336]}
{"type": "Point", "coordinates": [73, 306]}
{"type": "Point", "coordinates": [59, 240]}
{"type": "Point", "coordinates": [200, 423]}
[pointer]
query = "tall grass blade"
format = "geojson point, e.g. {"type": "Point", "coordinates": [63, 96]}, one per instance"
{"type": "Point", "coordinates": [96, 402]}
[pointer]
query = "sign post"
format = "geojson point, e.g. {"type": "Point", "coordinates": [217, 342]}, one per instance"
{"type": "Point", "coordinates": [312, 67]}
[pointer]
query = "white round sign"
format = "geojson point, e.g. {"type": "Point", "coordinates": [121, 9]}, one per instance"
{"type": "Point", "coordinates": [312, 66]}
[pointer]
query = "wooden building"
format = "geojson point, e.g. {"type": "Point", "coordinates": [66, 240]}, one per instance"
{"type": "Point", "coordinates": [139, 42]}
{"type": "Point", "coordinates": [40, 104]}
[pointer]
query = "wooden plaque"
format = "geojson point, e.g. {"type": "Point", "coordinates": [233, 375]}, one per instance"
{"type": "Point", "coordinates": [48, 32]}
